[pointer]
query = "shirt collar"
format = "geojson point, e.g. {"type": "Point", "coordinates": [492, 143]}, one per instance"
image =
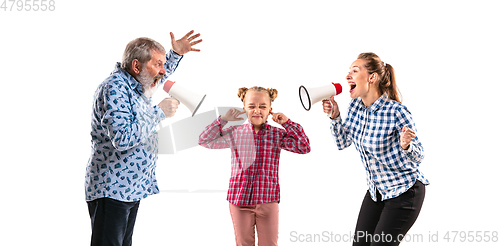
{"type": "Point", "coordinates": [265, 126]}
{"type": "Point", "coordinates": [375, 105]}
{"type": "Point", "coordinates": [129, 79]}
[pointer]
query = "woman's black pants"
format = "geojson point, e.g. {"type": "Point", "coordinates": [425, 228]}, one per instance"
{"type": "Point", "coordinates": [387, 222]}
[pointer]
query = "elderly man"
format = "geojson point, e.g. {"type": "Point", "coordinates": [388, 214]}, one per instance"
{"type": "Point", "coordinates": [121, 168]}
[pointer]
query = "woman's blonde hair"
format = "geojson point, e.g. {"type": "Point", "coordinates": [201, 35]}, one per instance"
{"type": "Point", "coordinates": [387, 79]}
{"type": "Point", "coordinates": [273, 93]}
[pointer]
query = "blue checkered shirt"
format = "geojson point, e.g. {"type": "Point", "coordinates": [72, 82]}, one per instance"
{"type": "Point", "coordinates": [375, 132]}
{"type": "Point", "coordinates": [124, 138]}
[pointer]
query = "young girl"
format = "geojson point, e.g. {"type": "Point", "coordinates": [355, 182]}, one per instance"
{"type": "Point", "coordinates": [254, 191]}
{"type": "Point", "coordinates": [383, 132]}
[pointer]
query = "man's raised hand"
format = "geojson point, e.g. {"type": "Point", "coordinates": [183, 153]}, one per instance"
{"type": "Point", "coordinates": [185, 44]}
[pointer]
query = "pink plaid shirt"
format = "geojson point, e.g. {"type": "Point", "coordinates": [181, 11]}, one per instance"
{"type": "Point", "coordinates": [254, 157]}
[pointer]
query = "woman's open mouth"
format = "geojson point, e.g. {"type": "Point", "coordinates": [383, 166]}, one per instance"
{"type": "Point", "coordinates": [352, 86]}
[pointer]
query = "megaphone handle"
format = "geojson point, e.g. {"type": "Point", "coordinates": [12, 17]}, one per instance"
{"type": "Point", "coordinates": [175, 99]}
{"type": "Point", "coordinates": [331, 112]}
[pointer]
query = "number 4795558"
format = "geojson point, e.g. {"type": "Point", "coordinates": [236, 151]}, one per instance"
{"type": "Point", "coordinates": [28, 5]}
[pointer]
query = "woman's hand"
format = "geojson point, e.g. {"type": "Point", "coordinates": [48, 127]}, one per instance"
{"type": "Point", "coordinates": [406, 137]}
{"type": "Point", "coordinates": [331, 107]}
{"type": "Point", "coordinates": [232, 115]}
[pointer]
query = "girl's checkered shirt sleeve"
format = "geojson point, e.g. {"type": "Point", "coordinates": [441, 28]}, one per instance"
{"type": "Point", "coordinates": [295, 139]}
{"type": "Point", "coordinates": [213, 137]}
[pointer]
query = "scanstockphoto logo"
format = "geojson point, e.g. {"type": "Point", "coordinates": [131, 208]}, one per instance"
{"type": "Point", "coordinates": [323, 237]}
{"type": "Point", "coordinates": [465, 237]}
{"type": "Point", "coordinates": [332, 237]}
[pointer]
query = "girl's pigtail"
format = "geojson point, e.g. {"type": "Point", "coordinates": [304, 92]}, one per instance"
{"type": "Point", "coordinates": [273, 93]}
{"type": "Point", "coordinates": [242, 92]}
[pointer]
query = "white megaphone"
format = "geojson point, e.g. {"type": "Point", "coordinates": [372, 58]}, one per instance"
{"type": "Point", "coordinates": [310, 96]}
{"type": "Point", "coordinates": [191, 100]}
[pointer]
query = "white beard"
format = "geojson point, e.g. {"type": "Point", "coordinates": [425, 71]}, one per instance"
{"type": "Point", "coordinates": [149, 90]}
{"type": "Point", "coordinates": [147, 82]}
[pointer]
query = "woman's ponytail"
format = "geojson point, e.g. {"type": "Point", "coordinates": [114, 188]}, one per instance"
{"type": "Point", "coordinates": [388, 85]}
{"type": "Point", "coordinates": [387, 79]}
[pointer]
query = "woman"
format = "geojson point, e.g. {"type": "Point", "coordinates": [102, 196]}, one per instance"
{"type": "Point", "coordinates": [383, 132]}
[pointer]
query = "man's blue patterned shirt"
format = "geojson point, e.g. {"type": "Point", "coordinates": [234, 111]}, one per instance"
{"type": "Point", "coordinates": [124, 138]}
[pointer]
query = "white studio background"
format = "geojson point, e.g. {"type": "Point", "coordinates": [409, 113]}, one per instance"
{"type": "Point", "coordinates": [446, 58]}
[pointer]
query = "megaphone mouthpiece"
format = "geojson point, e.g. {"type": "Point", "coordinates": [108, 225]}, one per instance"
{"type": "Point", "coordinates": [168, 85]}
